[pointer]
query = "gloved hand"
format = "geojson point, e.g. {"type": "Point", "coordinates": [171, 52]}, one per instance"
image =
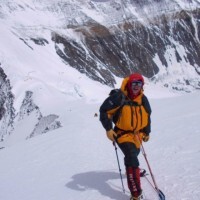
{"type": "Point", "coordinates": [145, 137]}
{"type": "Point", "coordinates": [111, 134]}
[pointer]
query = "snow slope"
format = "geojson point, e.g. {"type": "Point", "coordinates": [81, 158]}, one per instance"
{"type": "Point", "coordinates": [78, 162]}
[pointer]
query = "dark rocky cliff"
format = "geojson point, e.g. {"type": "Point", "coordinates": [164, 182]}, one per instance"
{"type": "Point", "coordinates": [9, 118]}
{"type": "Point", "coordinates": [132, 46]}
{"type": "Point", "coordinates": [7, 111]}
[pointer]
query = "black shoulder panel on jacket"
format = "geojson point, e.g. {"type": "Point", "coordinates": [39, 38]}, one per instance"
{"type": "Point", "coordinates": [146, 104]}
{"type": "Point", "coordinates": [115, 100]}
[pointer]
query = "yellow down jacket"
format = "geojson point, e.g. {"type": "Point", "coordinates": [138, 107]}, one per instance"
{"type": "Point", "coordinates": [130, 117]}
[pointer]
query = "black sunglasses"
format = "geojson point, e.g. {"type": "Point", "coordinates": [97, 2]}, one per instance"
{"type": "Point", "coordinates": [137, 83]}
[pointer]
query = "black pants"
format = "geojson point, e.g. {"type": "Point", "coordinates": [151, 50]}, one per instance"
{"type": "Point", "coordinates": [130, 154]}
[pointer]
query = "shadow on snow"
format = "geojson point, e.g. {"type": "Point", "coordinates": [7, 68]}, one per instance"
{"type": "Point", "coordinates": [97, 181]}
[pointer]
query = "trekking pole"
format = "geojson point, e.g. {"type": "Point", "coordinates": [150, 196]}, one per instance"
{"type": "Point", "coordinates": [120, 171]}
{"type": "Point", "coordinates": [160, 193]}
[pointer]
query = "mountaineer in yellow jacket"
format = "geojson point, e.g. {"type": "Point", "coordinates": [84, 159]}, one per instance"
{"type": "Point", "coordinates": [129, 110]}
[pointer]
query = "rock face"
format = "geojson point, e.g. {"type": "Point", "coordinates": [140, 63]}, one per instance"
{"type": "Point", "coordinates": [133, 46]}
{"type": "Point", "coordinates": [29, 113]}
{"type": "Point", "coordinates": [104, 39]}
{"type": "Point", "coordinates": [43, 123]}
{"type": "Point", "coordinates": [7, 111]}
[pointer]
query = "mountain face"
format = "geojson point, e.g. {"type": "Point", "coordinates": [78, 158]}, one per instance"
{"type": "Point", "coordinates": [29, 113]}
{"type": "Point", "coordinates": [136, 47]}
{"type": "Point", "coordinates": [7, 112]}
{"type": "Point", "coordinates": [108, 38]}
{"type": "Point", "coordinates": [102, 39]}
{"type": "Point", "coordinates": [159, 46]}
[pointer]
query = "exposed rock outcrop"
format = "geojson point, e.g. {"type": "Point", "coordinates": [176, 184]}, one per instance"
{"type": "Point", "coordinates": [132, 46]}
